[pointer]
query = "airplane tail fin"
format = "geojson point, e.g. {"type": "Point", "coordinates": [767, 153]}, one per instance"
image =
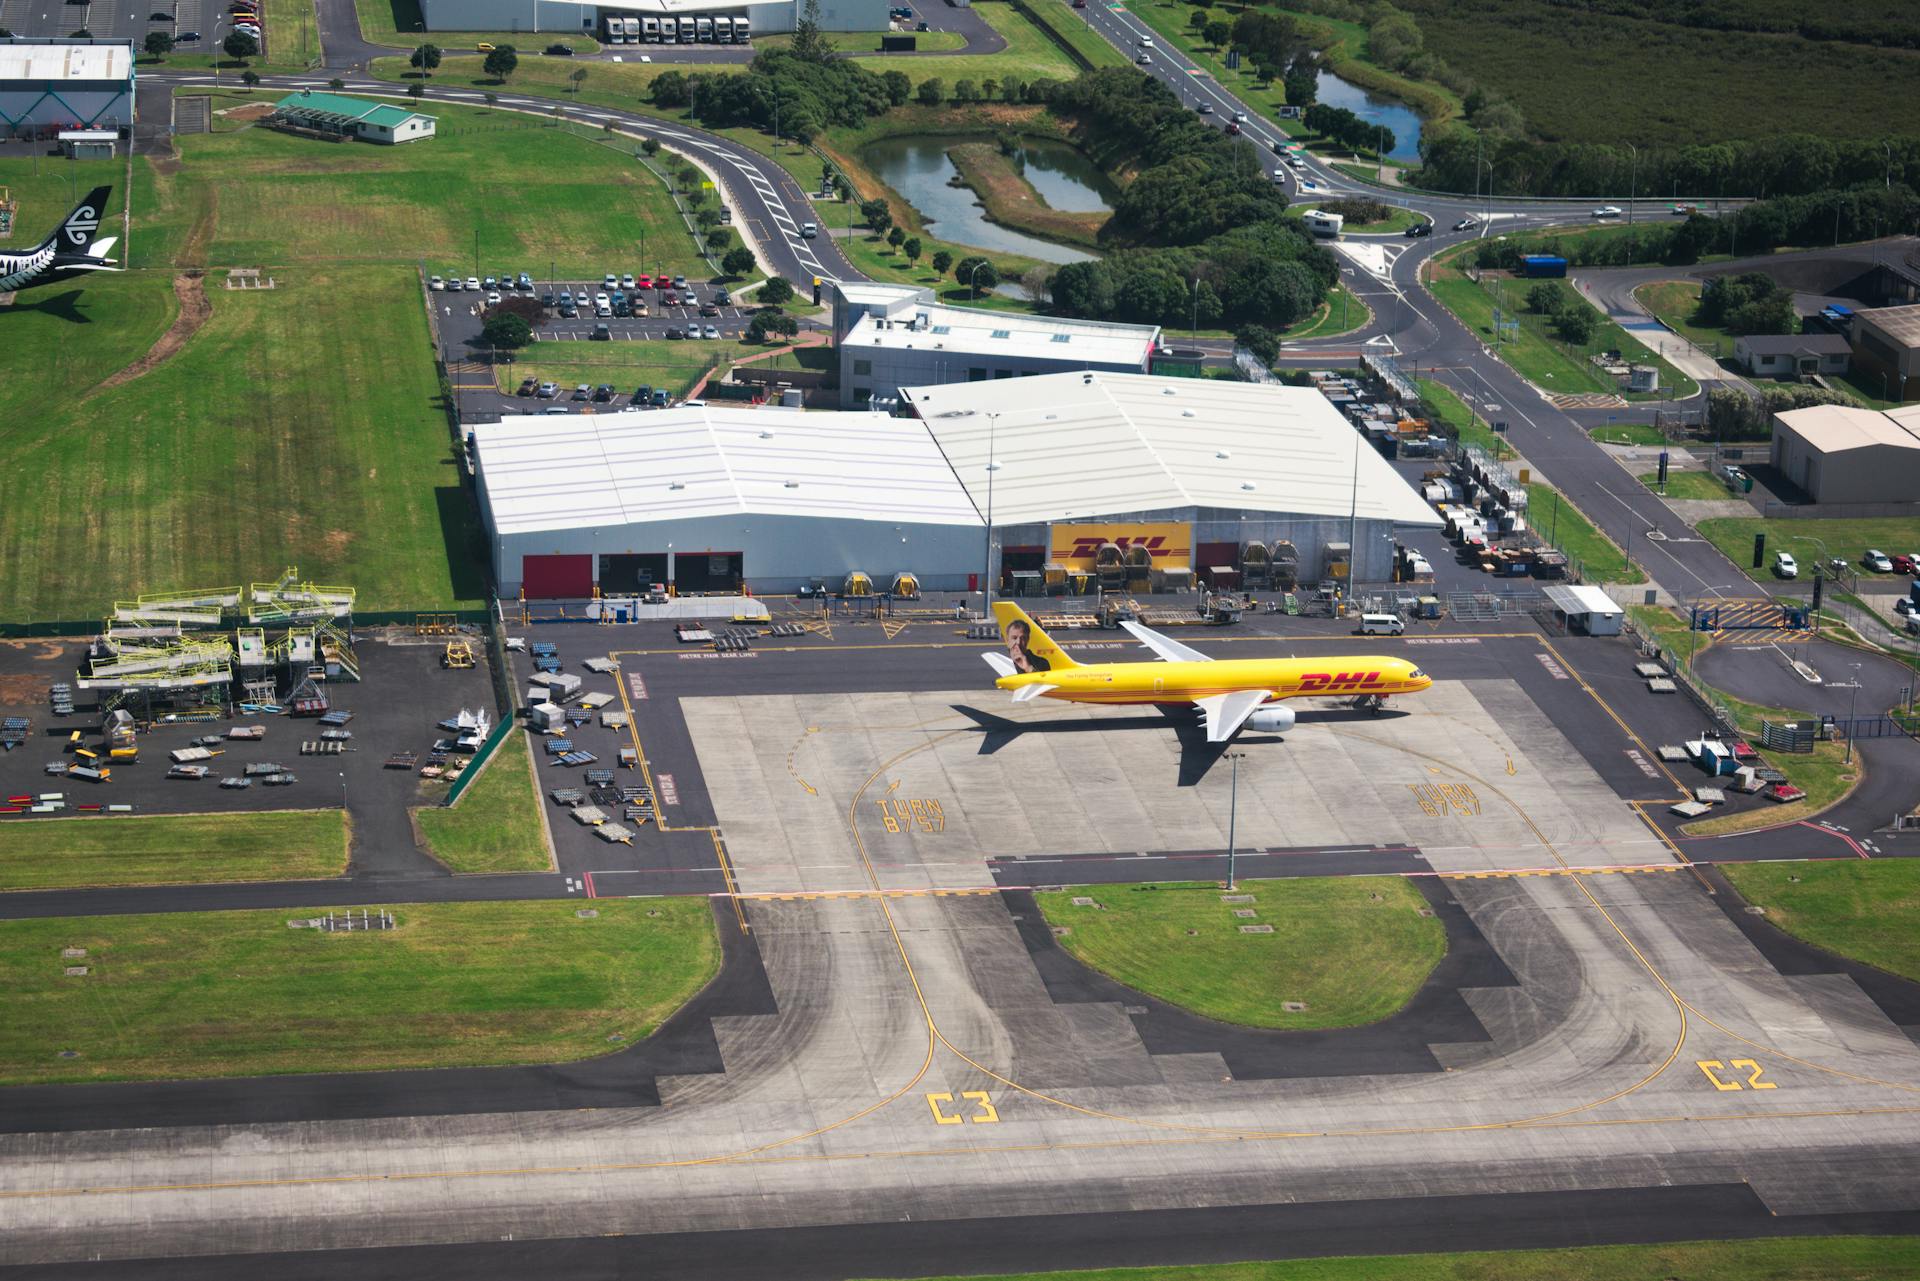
{"type": "Point", "coordinates": [75, 234]}
{"type": "Point", "coordinates": [1028, 648]}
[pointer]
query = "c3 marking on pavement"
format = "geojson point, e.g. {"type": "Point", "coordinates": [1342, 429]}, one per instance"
{"type": "Point", "coordinates": [985, 1113]}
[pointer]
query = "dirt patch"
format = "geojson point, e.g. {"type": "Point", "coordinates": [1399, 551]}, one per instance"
{"type": "Point", "coordinates": [190, 289]}
{"type": "Point", "coordinates": [248, 111]}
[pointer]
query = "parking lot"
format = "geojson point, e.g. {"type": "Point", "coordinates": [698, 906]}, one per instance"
{"type": "Point", "coordinates": [396, 707]}
{"type": "Point", "coordinates": [663, 321]}
{"type": "Point", "coordinates": [121, 20]}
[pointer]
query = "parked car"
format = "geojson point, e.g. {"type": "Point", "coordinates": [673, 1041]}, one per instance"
{"type": "Point", "coordinates": [659, 397]}
{"type": "Point", "coordinates": [558, 409]}
{"type": "Point", "coordinates": [622, 309]}
{"type": "Point", "coordinates": [603, 393]}
{"type": "Point", "coordinates": [493, 298]}
{"type": "Point", "coordinates": [528, 386]}
{"type": "Point", "coordinates": [484, 47]}
{"type": "Point", "coordinates": [643, 282]}
{"type": "Point", "coordinates": [1877, 561]}
{"type": "Point", "coordinates": [711, 331]}
{"type": "Point", "coordinates": [435, 282]}
{"type": "Point", "coordinates": [473, 283]}
{"type": "Point", "coordinates": [549, 390]}
{"type": "Point", "coordinates": [1906, 562]}
{"type": "Point", "coordinates": [1785, 566]}
{"type": "Point", "coordinates": [526, 282]}
{"type": "Point", "coordinates": [670, 299]}
{"type": "Point", "coordinates": [560, 50]}
{"type": "Point", "coordinates": [157, 16]}
{"type": "Point", "coordinates": [601, 299]}
{"type": "Point", "coordinates": [582, 392]}
{"type": "Point", "coordinates": [1419, 229]}
{"type": "Point", "coordinates": [568, 311]}
{"type": "Point", "coordinates": [547, 299]}
{"type": "Point", "coordinates": [601, 333]}
{"type": "Point", "coordinates": [490, 283]}
{"type": "Point", "coordinates": [680, 282]}
{"type": "Point", "coordinates": [674, 332]}
{"type": "Point", "coordinates": [708, 309]}
{"type": "Point", "coordinates": [628, 282]}
{"type": "Point", "coordinates": [642, 394]}
{"type": "Point", "coordinates": [1607, 211]}
{"type": "Point", "coordinates": [723, 298]}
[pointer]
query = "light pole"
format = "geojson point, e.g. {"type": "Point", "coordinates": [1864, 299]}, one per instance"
{"type": "Point", "coordinates": [1633, 192]}
{"type": "Point", "coordinates": [1853, 706]}
{"type": "Point", "coordinates": [1817, 569]}
{"type": "Point", "coordinates": [986, 577]}
{"type": "Point", "coordinates": [971, 273]}
{"type": "Point", "coordinates": [1233, 817]}
{"type": "Point", "coordinates": [1193, 311]}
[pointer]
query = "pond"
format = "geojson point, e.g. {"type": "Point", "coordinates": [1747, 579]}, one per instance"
{"type": "Point", "coordinates": [1397, 116]}
{"type": "Point", "coordinates": [918, 168]}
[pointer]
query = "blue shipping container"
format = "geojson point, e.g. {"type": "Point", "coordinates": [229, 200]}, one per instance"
{"type": "Point", "coordinates": [1542, 265]}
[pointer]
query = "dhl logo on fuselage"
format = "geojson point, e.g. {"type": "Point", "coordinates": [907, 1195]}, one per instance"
{"type": "Point", "coordinates": [1316, 682]}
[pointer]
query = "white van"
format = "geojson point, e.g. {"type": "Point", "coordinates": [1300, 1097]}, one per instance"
{"type": "Point", "coordinates": [1382, 625]}
{"type": "Point", "coordinates": [808, 231]}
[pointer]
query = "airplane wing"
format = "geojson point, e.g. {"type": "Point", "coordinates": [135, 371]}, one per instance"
{"type": "Point", "coordinates": [1226, 713]}
{"type": "Point", "coordinates": [1001, 665]}
{"type": "Point", "coordinates": [1170, 650]}
{"type": "Point", "coordinates": [1027, 693]}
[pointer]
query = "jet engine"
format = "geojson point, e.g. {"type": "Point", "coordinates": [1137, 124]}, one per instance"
{"type": "Point", "coordinates": [1272, 720]}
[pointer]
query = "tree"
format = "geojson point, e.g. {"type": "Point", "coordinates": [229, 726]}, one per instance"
{"type": "Point", "coordinates": [1216, 32]}
{"type": "Point", "coordinates": [1260, 340]}
{"type": "Point", "coordinates": [1302, 82]}
{"type": "Point", "coordinates": [250, 78]}
{"type": "Point", "coordinates": [1197, 20]}
{"type": "Point", "coordinates": [500, 63]}
{"type": "Point", "coordinates": [579, 77]}
{"type": "Point", "coordinates": [159, 44]}
{"type": "Point", "coordinates": [491, 97]}
{"type": "Point", "coordinates": [941, 261]}
{"type": "Point", "coordinates": [877, 215]}
{"type": "Point", "coordinates": [898, 86]}
{"type": "Point", "coordinates": [1546, 298]}
{"type": "Point", "coordinates": [738, 262]}
{"type": "Point", "coordinates": [931, 92]}
{"type": "Point", "coordinates": [240, 45]}
{"type": "Point", "coordinates": [336, 84]}
{"type": "Point", "coordinates": [1576, 324]}
{"type": "Point", "coordinates": [416, 90]}
{"type": "Point", "coordinates": [988, 88]}
{"type": "Point", "coordinates": [425, 58]}
{"type": "Point", "coordinates": [1037, 282]}
{"type": "Point", "coordinates": [776, 291]}
{"type": "Point", "coordinates": [912, 249]}
{"type": "Point", "coordinates": [808, 44]}
{"type": "Point", "coordinates": [977, 273]}
{"type": "Point", "coordinates": [965, 91]}
{"type": "Point", "coordinates": [896, 237]}
{"type": "Point", "coordinates": [802, 126]}
{"type": "Point", "coordinates": [506, 330]}
{"type": "Point", "coordinates": [651, 146]}
{"type": "Point", "coordinates": [768, 324]}
{"type": "Point", "coordinates": [718, 237]}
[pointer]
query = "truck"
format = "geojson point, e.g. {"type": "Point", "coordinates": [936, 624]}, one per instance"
{"type": "Point", "coordinates": [722, 29]}
{"type": "Point", "coordinates": [740, 29]}
{"type": "Point", "coordinates": [1542, 266]}
{"type": "Point", "coordinates": [650, 30]}
{"type": "Point", "coordinates": [1325, 225]}
{"type": "Point", "coordinates": [689, 29]}
{"type": "Point", "coordinates": [631, 29]}
{"type": "Point", "coordinates": [703, 29]}
{"type": "Point", "coordinates": [613, 30]}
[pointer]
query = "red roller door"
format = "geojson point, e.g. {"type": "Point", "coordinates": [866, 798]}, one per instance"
{"type": "Point", "coordinates": [556, 577]}
{"type": "Point", "coordinates": [1208, 556]}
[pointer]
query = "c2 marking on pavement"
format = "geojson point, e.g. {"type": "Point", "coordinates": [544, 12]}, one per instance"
{"type": "Point", "coordinates": [1708, 1068]}
{"type": "Point", "coordinates": [986, 1113]}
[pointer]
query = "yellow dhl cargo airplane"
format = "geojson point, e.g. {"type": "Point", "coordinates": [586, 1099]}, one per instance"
{"type": "Point", "coordinates": [1230, 693]}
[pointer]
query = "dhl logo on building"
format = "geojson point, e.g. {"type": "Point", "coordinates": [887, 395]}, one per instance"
{"type": "Point", "coordinates": [1078, 546]}
{"type": "Point", "coordinates": [1338, 682]}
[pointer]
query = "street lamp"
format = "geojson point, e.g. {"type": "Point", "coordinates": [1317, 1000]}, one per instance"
{"type": "Point", "coordinates": [1233, 816]}
{"type": "Point", "coordinates": [973, 272]}
{"type": "Point", "coordinates": [1818, 568]}
{"type": "Point", "coordinates": [1853, 706]}
{"type": "Point", "coordinates": [1633, 192]}
{"type": "Point", "coordinates": [986, 577]}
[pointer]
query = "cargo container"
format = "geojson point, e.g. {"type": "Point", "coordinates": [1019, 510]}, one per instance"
{"type": "Point", "coordinates": [1542, 265]}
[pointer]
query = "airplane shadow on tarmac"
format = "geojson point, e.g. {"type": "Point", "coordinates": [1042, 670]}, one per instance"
{"type": "Point", "coordinates": [1197, 755]}
{"type": "Point", "coordinates": [65, 306]}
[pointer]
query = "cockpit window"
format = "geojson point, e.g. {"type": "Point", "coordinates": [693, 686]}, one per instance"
{"type": "Point", "coordinates": [1416, 674]}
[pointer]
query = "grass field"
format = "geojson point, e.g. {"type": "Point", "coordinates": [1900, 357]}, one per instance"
{"type": "Point", "coordinates": [1824, 776]}
{"type": "Point", "coordinates": [1781, 1259]}
{"type": "Point", "coordinates": [1533, 352]}
{"type": "Point", "coordinates": [301, 425]}
{"type": "Point", "coordinates": [1561, 523]}
{"type": "Point", "coordinates": [285, 845]}
{"type": "Point", "coordinates": [1686, 485]}
{"type": "Point", "coordinates": [495, 826]}
{"type": "Point", "coordinates": [1627, 434]}
{"type": "Point", "coordinates": [398, 23]}
{"type": "Point", "coordinates": [869, 41]}
{"type": "Point", "coordinates": [1058, 17]}
{"type": "Point", "coordinates": [1672, 303]}
{"type": "Point", "coordinates": [1867, 909]}
{"type": "Point", "coordinates": [1353, 949]}
{"type": "Point", "coordinates": [1342, 312]}
{"type": "Point", "coordinates": [1642, 79]}
{"type": "Point", "coordinates": [1810, 540]}
{"type": "Point", "coordinates": [292, 33]}
{"type": "Point", "coordinates": [242, 994]}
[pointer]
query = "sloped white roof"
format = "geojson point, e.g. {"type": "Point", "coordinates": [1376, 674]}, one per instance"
{"type": "Point", "coordinates": [1833, 428]}
{"type": "Point", "coordinates": [1094, 444]}
{"type": "Point", "coordinates": [65, 61]}
{"type": "Point", "coordinates": [972, 331]}
{"type": "Point", "coordinates": [598, 470]}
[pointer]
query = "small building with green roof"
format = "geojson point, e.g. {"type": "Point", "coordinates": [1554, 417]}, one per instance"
{"type": "Point", "coordinates": [332, 116]}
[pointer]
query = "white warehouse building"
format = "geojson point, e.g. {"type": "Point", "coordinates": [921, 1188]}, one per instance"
{"type": "Point", "coordinates": [714, 498]}
{"type": "Point", "coordinates": [894, 336]}
{"type": "Point", "coordinates": [48, 85]}
{"type": "Point", "coordinates": [652, 17]}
